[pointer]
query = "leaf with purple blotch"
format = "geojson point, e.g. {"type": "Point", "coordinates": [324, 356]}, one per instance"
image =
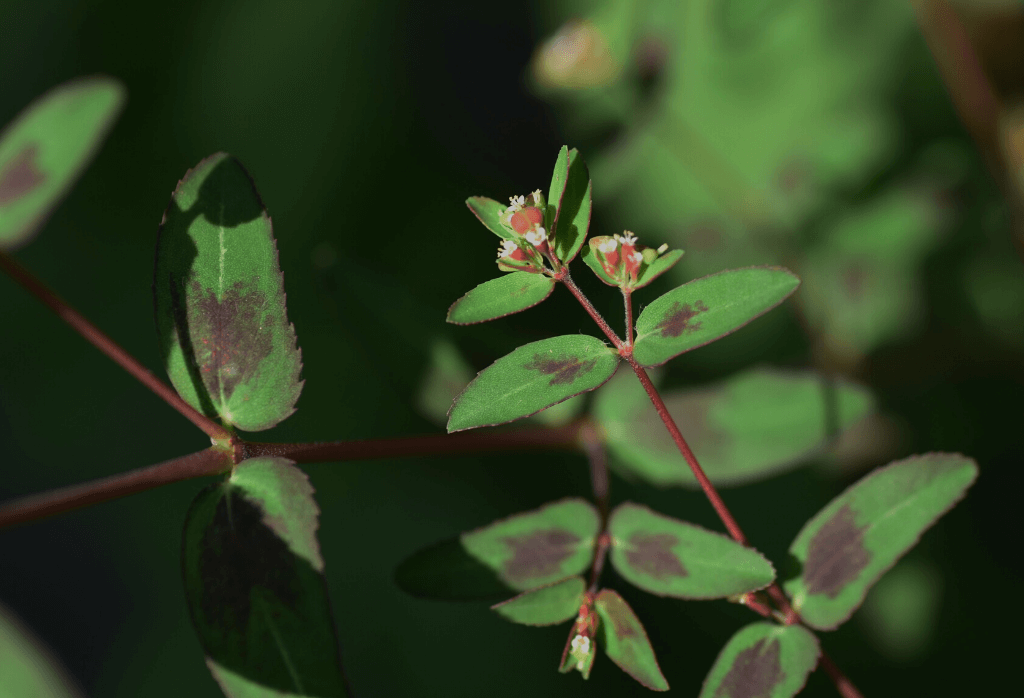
{"type": "Point", "coordinates": [548, 605]}
{"type": "Point", "coordinates": [850, 543]}
{"type": "Point", "coordinates": [538, 547]}
{"type": "Point", "coordinates": [531, 378]}
{"type": "Point", "coordinates": [763, 660]}
{"type": "Point", "coordinates": [488, 212]}
{"type": "Point", "coordinates": [45, 149]}
{"type": "Point", "coordinates": [499, 297]}
{"type": "Point", "coordinates": [624, 640]}
{"type": "Point", "coordinates": [755, 424]}
{"type": "Point", "coordinates": [668, 557]}
{"type": "Point", "coordinates": [220, 304]}
{"type": "Point", "coordinates": [255, 587]}
{"type": "Point", "coordinates": [703, 310]}
{"type": "Point", "coordinates": [571, 198]}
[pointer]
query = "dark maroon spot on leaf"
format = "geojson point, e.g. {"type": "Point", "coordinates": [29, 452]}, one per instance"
{"type": "Point", "coordinates": [20, 175]}
{"type": "Point", "coordinates": [565, 371]}
{"type": "Point", "coordinates": [836, 555]}
{"type": "Point", "coordinates": [539, 554]}
{"type": "Point", "coordinates": [652, 554]}
{"type": "Point", "coordinates": [754, 673]}
{"type": "Point", "coordinates": [521, 291]}
{"type": "Point", "coordinates": [228, 336]}
{"type": "Point", "coordinates": [678, 319]}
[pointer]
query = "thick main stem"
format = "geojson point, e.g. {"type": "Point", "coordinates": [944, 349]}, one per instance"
{"type": "Point", "coordinates": [109, 347]}
{"type": "Point", "coordinates": [211, 461]}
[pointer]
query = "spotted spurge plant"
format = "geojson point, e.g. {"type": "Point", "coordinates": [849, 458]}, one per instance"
{"type": "Point", "coordinates": [252, 567]}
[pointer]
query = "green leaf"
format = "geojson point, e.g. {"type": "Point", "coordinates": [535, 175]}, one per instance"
{"type": "Point", "coordinates": [701, 311]}
{"type": "Point", "coordinates": [45, 149]}
{"type": "Point", "coordinates": [27, 667]}
{"type": "Point", "coordinates": [488, 212]}
{"type": "Point", "coordinates": [499, 297]}
{"type": "Point", "coordinates": [847, 546]}
{"type": "Point", "coordinates": [445, 571]}
{"type": "Point", "coordinates": [625, 640]}
{"type": "Point", "coordinates": [763, 660]}
{"type": "Point", "coordinates": [574, 202]}
{"type": "Point", "coordinates": [534, 376]}
{"type": "Point", "coordinates": [538, 547]}
{"type": "Point", "coordinates": [590, 259]}
{"type": "Point", "coordinates": [660, 265]}
{"type": "Point", "coordinates": [756, 424]}
{"type": "Point", "coordinates": [559, 178]}
{"type": "Point", "coordinates": [220, 304]}
{"type": "Point", "coordinates": [548, 605]}
{"type": "Point", "coordinates": [668, 557]}
{"type": "Point", "coordinates": [254, 583]}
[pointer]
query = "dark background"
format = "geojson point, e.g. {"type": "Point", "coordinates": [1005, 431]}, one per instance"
{"type": "Point", "coordinates": [365, 126]}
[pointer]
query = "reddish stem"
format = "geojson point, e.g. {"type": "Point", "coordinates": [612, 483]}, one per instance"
{"type": "Point", "coordinates": [105, 344]}
{"type": "Point", "coordinates": [843, 684]}
{"type": "Point", "coordinates": [588, 306]}
{"type": "Point", "coordinates": [627, 299]}
{"type": "Point", "coordinates": [211, 461]}
{"type": "Point", "coordinates": [214, 461]}
{"type": "Point", "coordinates": [698, 472]}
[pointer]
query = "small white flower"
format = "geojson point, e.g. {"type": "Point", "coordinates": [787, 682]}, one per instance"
{"type": "Point", "coordinates": [608, 246]}
{"type": "Point", "coordinates": [580, 650]}
{"type": "Point", "coordinates": [517, 202]}
{"type": "Point", "coordinates": [628, 238]}
{"type": "Point", "coordinates": [507, 248]}
{"type": "Point", "coordinates": [536, 237]}
{"type": "Point", "coordinates": [637, 257]}
{"type": "Point", "coordinates": [535, 197]}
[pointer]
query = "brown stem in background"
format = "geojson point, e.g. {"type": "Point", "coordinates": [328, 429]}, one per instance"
{"type": "Point", "coordinates": [110, 348]}
{"type": "Point", "coordinates": [593, 446]}
{"type": "Point", "coordinates": [212, 461]}
{"type": "Point", "coordinates": [843, 684]}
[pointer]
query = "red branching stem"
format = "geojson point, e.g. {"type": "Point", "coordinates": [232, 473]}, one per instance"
{"type": "Point", "coordinates": [589, 307]}
{"type": "Point", "coordinates": [604, 541]}
{"type": "Point", "coordinates": [105, 344]}
{"type": "Point", "coordinates": [698, 472]}
{"type": "Point", "coordinates": [843, 684]}
{"type": "Point", "coordinates": [751, 601]}
{"type": "Point", "coordinates": [564, 437]}
{"type": "Point", "coordinates": [211, 461]}
{"type": "Point", "coordinates": [627, 299]}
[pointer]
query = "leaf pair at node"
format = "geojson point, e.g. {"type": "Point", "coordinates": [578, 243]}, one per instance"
{"type": "Point", "coordinates": [543, 553]}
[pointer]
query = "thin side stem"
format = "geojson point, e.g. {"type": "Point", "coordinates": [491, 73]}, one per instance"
{"type": "Point", "coordinates": [593, 445]}
{"type": "Point", "coordinates": [627, 300]}
{"type": "Point", "coordinates": [698, 472]}
{"type": "Point", "coordinates": [588, 306]}
{"type": "Point", "coordinates": [211, 461]}
{"type": "Point", "coordinates": [843, 684]}
{"type": "Point", "coordinates": [109, 347]}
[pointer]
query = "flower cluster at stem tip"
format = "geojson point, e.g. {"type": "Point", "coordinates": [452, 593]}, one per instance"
{"type": "Point", "coordinates": [579, 651]}
{"type": "Point", "coordinates": [525, 219]}
{"type": "Point", "coordinates": [621, 259]}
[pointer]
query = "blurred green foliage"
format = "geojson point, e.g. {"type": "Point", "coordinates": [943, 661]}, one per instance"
{"type": "Point", "coordinates": [815, 135]}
